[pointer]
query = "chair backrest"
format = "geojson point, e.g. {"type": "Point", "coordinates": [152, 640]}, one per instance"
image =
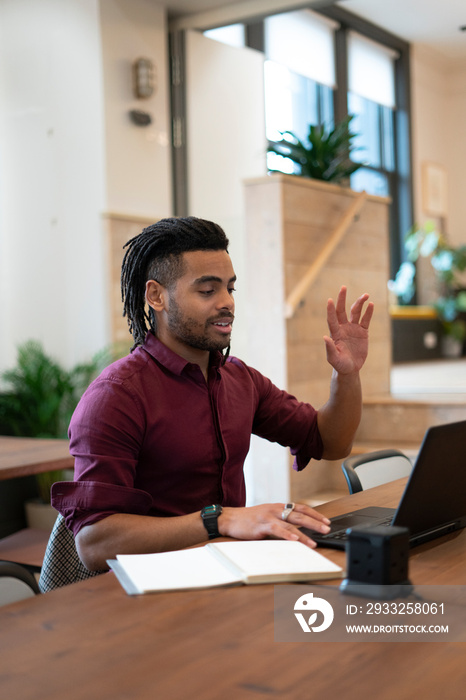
{"type": "Point", "coordinates": [62, 564]}
{"type": "Point", "coordinates": [16, 583]}
{"type": "Point", "coordinates": [375, 468]}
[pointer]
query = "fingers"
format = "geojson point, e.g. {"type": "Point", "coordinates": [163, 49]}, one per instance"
{"type": "Point", "coordinates": [366, 319]}
{"type": "Point", "coordinates": [332, 354]}
{"type": "Point", "coordinates": [356, 311]}
{"type": "Point", "coordinates": [302, 510]}
{"type": "Point", "coordinates": [286, 531]}
{"type": "Point", "coordinates": [258, 522]}
{"type": "Point", "coordinates": [357, 307]}
{"type": "Point", "coordinates": [303, 516]}
{"type": "Point", "coordinates": [341, 305]}
{"type": "Point", "coordinates": [336, 313]}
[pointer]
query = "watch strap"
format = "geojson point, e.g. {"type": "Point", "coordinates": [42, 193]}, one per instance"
{"type": "Point", "coordinates": [209, 516]}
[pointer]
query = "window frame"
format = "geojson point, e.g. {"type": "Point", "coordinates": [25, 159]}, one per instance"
{"type": "Point", "coordinates": [400, 180]}
{"type": "Point", "coordinates": [401, 210]}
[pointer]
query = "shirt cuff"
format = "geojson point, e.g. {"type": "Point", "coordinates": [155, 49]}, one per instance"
{"type": "Point", "coordinates": [312, 449]}
{"type": "Point", "coordinates": [85, 502]}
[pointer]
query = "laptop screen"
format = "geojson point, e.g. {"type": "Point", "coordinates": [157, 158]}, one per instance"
{"type": "Point", "coordinates": [436, 491]}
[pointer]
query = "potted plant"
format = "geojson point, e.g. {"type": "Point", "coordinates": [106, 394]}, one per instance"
{"type": "Point", "coordinates": [448, 263]}
{"type": "Point", "coordinates": [325, 155]}
{"type": "Point", "coordinates": [39, 396]}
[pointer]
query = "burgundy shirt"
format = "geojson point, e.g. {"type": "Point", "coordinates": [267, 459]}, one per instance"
{"type": "Point", "coordinates": [150, 436]}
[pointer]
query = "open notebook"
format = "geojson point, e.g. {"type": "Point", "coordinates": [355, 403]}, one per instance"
{"type": "Point", "coordinates": [222, 564]}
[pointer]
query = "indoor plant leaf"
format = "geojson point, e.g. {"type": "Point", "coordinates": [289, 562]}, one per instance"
{"type": "Point", "coordinates": [325, 156]}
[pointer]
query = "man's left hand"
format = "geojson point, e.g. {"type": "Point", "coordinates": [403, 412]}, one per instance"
{"type": "Point", "coordinates": [348, 343]}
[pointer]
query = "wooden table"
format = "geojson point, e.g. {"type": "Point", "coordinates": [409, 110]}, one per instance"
{"type": "Point", "coordinates": [26, 547]}
{"type": "Point", "coordinates": [91, 640]}
{"type": "Point", "coordinates": [22, 457]}
{"type": "Point", "coordinates": [26, 456]}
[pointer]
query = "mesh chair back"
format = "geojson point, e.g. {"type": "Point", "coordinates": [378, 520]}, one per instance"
{"type": "Point", "coordinates": [62, 564]}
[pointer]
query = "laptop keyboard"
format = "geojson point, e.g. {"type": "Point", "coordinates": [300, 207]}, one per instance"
{"type": "Point", "coordinates": [342, 534]}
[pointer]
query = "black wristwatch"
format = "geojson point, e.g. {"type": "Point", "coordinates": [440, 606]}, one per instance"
{"type": "Point", "coordinates": [209, 516]}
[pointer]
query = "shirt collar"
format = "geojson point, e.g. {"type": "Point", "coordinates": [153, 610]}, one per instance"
{"type": "Point", "coordinates": [169, 359]}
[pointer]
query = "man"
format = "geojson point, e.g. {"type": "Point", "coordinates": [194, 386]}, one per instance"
{"type": "Point", "coordinates": [161, 436]}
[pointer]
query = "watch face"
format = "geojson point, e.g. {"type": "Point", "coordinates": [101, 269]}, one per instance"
{"type": "Point", "coordinates": [211, 510]}
{"type": "Point", "coordinates": [209, 516]}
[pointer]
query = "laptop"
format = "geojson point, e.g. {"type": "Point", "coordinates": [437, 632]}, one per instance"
{"type": "Point", "coordinates": [434, 500]}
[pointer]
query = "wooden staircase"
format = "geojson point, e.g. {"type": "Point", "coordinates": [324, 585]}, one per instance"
{"type": "Point", "coordinates": [397, 421]}
{"type": "Point", "coordinates": [405, 419]}
{"type": "Point", "coordinates": [309, 240]}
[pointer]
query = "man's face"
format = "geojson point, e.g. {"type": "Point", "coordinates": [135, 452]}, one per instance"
{"type": "Point", "coordinates": [201, 305]}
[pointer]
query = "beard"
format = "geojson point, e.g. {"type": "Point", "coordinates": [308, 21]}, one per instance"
{"type": "Point", "coordinates": [193, 333]}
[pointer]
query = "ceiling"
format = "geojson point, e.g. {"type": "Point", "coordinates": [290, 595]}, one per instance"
{"type": "Point", "coordinates": [435, 23]}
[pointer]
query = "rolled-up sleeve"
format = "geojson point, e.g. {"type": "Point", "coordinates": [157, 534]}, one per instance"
{"type": "Point", "coordinates": [105, 437]}
{"type": "Point", "coordinates": [312, 447]}
{"type": "Point", "coordinates": [85, 502]}
{"type": "Point", "coordinates": [281, 418]}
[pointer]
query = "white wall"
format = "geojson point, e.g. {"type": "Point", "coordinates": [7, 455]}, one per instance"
{"type": "Point", "coordinates": [226, 144]}
{"type": "Point", "coordinates": [456, 145]}
{"type": "Point", "coordinates": [439, 115]}
{"type": "Point", "coordinates": [51, 178]}
{"type": "Point", "coordinates": [439, 137]}
{"type": "Point", "coordinates": [69, 153]}
{"type": "Point", "coordinates": [137, 158]}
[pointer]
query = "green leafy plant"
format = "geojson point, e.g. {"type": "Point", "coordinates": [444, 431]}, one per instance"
{"type": "Point", "coordinates": [39, 397]}
{"type": "Point", "coordinates": [325, 155]}
{"type": "Point", "coordinates": [404, 286]}
{"type": "Point", "coordinates": [448, 262]}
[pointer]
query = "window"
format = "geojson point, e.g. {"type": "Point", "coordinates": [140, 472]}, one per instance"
{"type": "Point", "coordinates": [322, 65]}
{"type": "Point", "coordinates": [373, 84]}
{"type": "Point", "coordinates": [303, 42]}
{"type": "Point", "coordinates": [299, 77]}
{"type": "Point", "coordinates": [233, 34]}
{"type": "Point", "coordinates": [292, 102]}
{"type": "Point", "coordinates": [371, 98]}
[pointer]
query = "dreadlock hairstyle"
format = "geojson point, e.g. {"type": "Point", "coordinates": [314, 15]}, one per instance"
{"type": "Point", "coordinates": [156, 254]}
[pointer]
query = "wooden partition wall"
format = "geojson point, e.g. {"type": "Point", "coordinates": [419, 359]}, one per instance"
{"type": "Point", "coordinates": [120, 229]}
{"type": "Point", "coordinates": [289, 221]}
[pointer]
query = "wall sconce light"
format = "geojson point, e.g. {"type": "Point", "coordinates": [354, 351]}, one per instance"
{"type": "Point", "coordinates": [140, 118]}
{"type": "Point", "coordinates": [143, 78]}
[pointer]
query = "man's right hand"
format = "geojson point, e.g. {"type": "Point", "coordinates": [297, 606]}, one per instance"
{"type": "Point", "coordinates": [259, 522]}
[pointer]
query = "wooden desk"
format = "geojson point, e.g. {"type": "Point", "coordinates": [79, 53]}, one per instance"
{"type": "Point", "coordinates": [26, 456]}
{"type": "Point", "coordinates": [91, 640]}
{"type": "Point", "coordinates": [22, 457]}
{"type": "Point", "coordinates": [26, 547]}
{"type": "Point", "coordinates": [441, 561]}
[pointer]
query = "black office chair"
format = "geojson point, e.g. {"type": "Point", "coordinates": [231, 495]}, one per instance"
{"type": "Point", "coordinates": [16, 583]}
{"type": "Point", "coordinates": [375, 468]}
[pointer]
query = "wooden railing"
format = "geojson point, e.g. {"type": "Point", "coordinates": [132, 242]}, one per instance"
{"type": "Point", "coordinates": [297, 295]}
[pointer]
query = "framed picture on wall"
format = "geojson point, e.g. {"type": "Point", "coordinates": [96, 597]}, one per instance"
{"type": "Point", "coordinates": [434, 189]}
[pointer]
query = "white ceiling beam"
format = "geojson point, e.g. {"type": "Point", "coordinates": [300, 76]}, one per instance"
{"type": "Point", "coordinates": [241, 11]}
